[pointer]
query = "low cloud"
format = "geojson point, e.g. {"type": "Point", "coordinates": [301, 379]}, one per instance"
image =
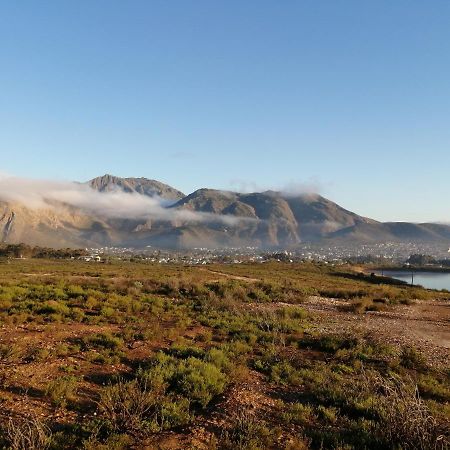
{"type": "Point", "coordinates": [49, 194]}
{"type": "Point", "coordinates": [311, 186]}
{"type": "Point", "coordinates": [292, 188]}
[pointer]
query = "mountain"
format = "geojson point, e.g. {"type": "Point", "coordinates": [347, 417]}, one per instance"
{"type": "Point", "coordinates": [288, 219]}
{"type": "Point", "coordinates": [152, 188]}
{"type": "Point", "coordinates": [261, 219]}
{"type": "Point", "coordinates": [392, 232]}
{"type": "Point", "coordinates": [204, 218]}
{"type": "Point", "coordinates": [51, 228]}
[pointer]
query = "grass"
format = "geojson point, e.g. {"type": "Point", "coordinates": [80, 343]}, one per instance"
{"type": "Point", "coordinates": [248, 432]}
{"type": "Point", "coordinates": [114, 356]}
{"type": "Point", "coordinates": [30, 434]}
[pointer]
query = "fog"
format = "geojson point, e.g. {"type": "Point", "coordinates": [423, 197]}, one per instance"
{"type": "Point", "coordinates": [50, 194]}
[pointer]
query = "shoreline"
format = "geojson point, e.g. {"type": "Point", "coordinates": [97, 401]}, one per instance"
{"type": "Point", "coordinates": [412, 269]}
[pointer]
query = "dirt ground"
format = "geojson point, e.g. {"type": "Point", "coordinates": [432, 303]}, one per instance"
{"type": "Point", "coordinates": [424, 325]}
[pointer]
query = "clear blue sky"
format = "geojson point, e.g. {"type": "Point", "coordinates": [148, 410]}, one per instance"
{"type": "Point", "coordinates": [353, 96]}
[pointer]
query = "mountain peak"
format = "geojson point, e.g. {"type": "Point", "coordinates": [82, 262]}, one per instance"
{"type": "Point", "coordinates": [205, 218]}
{"type": "Point", "coordinates": [142, 185]}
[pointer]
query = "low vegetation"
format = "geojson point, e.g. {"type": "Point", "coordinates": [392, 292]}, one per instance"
{"type": "Point", "coordinates": [114, 356]}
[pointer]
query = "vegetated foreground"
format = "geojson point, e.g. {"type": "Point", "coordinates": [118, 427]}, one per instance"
{"type": "Point", "coordinates": [269, 356]}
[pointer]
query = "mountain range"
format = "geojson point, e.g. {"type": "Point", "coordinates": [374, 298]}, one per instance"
{"type": "Point", "coordinates": [168, 218]}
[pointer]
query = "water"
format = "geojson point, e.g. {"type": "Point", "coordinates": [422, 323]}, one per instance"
{"type": "Point", "coordinates": [430, 280]}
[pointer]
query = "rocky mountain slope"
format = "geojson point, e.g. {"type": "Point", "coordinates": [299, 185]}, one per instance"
{"type": "Point", "coordinates": [205, 218]}
{"type": "Point", "coordinates": [49, 227]}
{"type": "Point", "coordinates": [108, 183]}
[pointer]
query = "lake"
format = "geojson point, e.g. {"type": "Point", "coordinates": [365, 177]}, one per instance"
{"type": "Point", "coordinates": [430, 280]}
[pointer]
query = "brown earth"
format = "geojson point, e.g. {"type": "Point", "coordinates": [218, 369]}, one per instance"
{"type": "Point", "coordinates": [424, 325]}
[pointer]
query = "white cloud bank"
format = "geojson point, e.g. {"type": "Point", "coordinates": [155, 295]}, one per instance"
{"type": "Point", "coordinates": [45, 194]}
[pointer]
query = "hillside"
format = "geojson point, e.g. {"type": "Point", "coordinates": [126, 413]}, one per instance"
{"type": "Point", "coordinates": [392, 232]}
{"type": "Point", "coordinates": [148, 212]}
{"type": "Point", "coordinates": [107, 183]}
{"type": "Point", "coordinates": [48, 227]}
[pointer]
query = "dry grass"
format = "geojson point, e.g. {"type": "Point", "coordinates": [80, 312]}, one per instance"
{"type": "Point", "coordinates": [29, 434]}
{"type": "Point", "coordinates": [405, 418]}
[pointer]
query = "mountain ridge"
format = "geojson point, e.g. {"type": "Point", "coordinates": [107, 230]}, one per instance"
{"type": "Point", "coordinates": [204, 218]}
{"type": "Point", "coordinates": [141, 185]}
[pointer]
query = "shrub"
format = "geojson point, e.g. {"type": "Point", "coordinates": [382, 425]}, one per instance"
{"type": "Point", "coordinates": [280, 321]}
{"type": "Point", "coordinates": [198, 381]}
{"type": "Point", "coordinates": [345, 294]}
{"type": "Point", "coordinates": [140, 408]}
{"type": "Point", "coordinates": [128, 405]}
{"type": "Point", "coordinates": [411, 358]}
{"type": "Point", "coordinates": [77, 314]}
{"type": "Point", "coordinates": [61, 390]}
{"type": "Point", "coordinates": [104, 356]}
{"type": "Point", "coordinates": [62, 350]}
{"type": "Point", "coordinates": [75, 291]}
{"type": "Point", "coordinates": [247, 433]}
{"type": "Point", "coordinates": [218, 358]}
{"type": "Point", "coordinates": [53, 307]}
{"type": "Point", "coordinates": [10, 353]}
{"type": "Point", "coordinates": [173, 412]}
{"type": "Point", "coordinates": [161, 396]}
{"type": "Point", "coordinates": [431, 387]}
{"type": "Point", "coordinates": [29, 434]}
{"type": "Point", "coordinates": [283, 373]}
{"type": "Point", "coordinates": [329, 414]}
{"type": "Point", "coordinates": [365, 304]}
{"type": "Point", "coordinates": [112, 442]}
{"type": "Point", "coordinates": [108, 312]}
{"type": "Point", "coordinates": [38, 354]}
{"type": "Point", "coordinates": [404, 419]}
{"type": "Point", "coordinates": [299, 414]}
{"type": "Point", "coordinates": [184, 352]}
{"type": "Point", "coordinates": [103, 340]}
{"type": "Point", "coordinates": [329, 342]}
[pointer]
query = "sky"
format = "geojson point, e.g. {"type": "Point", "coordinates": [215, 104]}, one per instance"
{"type": "Point", "coordinates": [349, 98]}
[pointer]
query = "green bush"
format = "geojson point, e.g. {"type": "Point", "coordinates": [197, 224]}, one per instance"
{"type": "Point", "coordinates": [328, 343]}
{"type": "Point", "coordinates": [38, 354]}
{"type": "Point", "coordinates": [103, 340]}
{"type": "Point", "coordinates": [53, 307]}
{"type": "Point", "coordinates": [411, 358]}
{"type": "Point", "coordinates": [299, 414]}
{"type": "Point", "coordinates": [194, 379]}
{"type": "Point", "coordinates": [218, 358]}
{"type": "Point", "coordinates": [184, 352]}
{"type": "Point", "coordinates": [328, 414]}
{"type": "Point", "coordinates": [429, 386]}
{"type": "Point", "coordinates": [62, 390]}
{"type": "Point", "coordinates": [198, 381]}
